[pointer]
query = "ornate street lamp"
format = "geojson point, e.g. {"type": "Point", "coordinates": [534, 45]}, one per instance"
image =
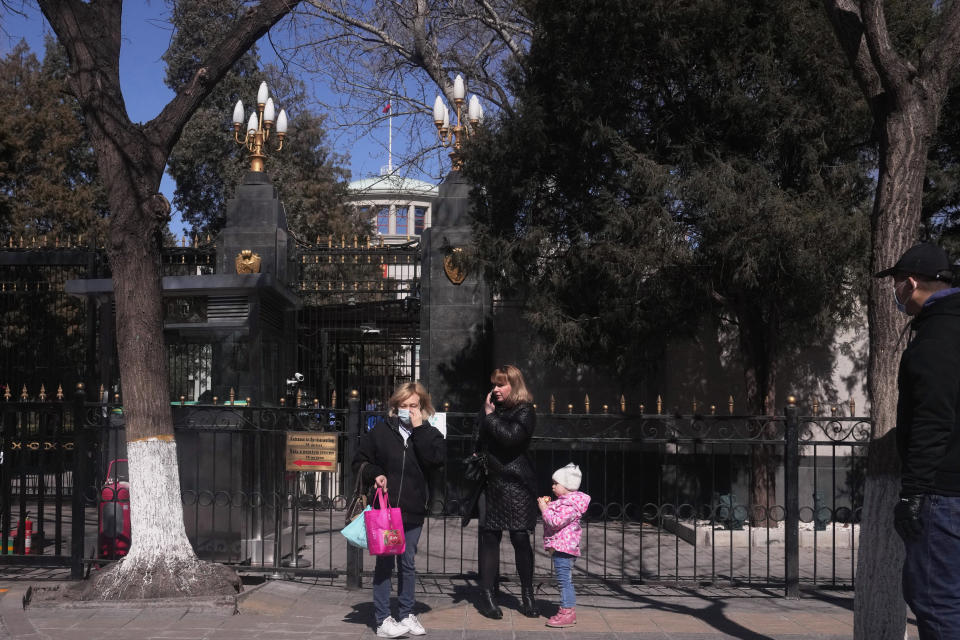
{"type": "Point", "coordinates": [258, 127]}
{"type": "Point", "coordinates": [452, 135]}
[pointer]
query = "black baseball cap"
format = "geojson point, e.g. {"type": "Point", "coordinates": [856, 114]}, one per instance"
{"type": "Point", "coordinates": [925, 259]}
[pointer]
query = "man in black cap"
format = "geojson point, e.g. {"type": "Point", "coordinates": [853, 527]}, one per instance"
{"type": "Point", "coordinates": [927, 516]}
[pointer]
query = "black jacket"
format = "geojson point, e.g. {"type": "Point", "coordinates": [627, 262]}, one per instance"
{"type": "Point", "coordinates": [928, 408]}
{"type": "Point", "coordinates": [508, 500]}
{"type": "Point", "coordinates": [406, 465]}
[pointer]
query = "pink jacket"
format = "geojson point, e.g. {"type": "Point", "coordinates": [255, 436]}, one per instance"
{"type": "Point", "coordinates": [561, 522]}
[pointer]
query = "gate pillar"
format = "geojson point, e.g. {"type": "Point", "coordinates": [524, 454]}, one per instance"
{"type": "Point", "coordinates": [455, 312]}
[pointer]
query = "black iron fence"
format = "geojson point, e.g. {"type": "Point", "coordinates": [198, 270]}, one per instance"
{"type": "Point", "coordinates": [672, 495]}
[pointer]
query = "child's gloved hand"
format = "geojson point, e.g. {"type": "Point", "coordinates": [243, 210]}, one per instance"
{"type": "Point", "coordinates": [543, 502]}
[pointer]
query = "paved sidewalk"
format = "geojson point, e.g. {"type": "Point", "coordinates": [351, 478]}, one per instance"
{"type": "Point", "coordinates": [307, 609]}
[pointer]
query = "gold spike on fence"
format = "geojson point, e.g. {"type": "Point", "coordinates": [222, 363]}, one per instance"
{"type": "Point", "coordinates": [553, 404]}
{"type": "Point", "coordinates": [283, 402]}
{"type": "Point", "coordinates": [299, 397]}
{"type": "Point", "coordinates": [730, 405]}
{"type": "Point", "coordinates": [694, 405]}
{"type": "Point", "coordinates": [816, 406]}
{"type": "Point", "coordinates": [586, 403]}
{"type": "Point", "coordinates": [233, 395]}
{"type": "Point", "coordinates": [659, 405]}
{"type": "Point", "coordinates": [623, 404]}
{"type": "Point", "coordinates": [713, 409]}
{"type": "Point", "coordinates": [23, 393]}
{"type": "Point", "coordinates": [853, 407]}
{"type": "Point", "coordinates": [833, 410]}
{"type": "Point", "coordinates": [642, 408]}
{"type": "Point", "coordinates": [59, 392]}
{"type": "Point", "coordinates": [182, 400]}
{"type": "Point", "coordinates": [570, 408]}
{"type": "Point", "coordinates": [446, 406]}
{"type": "Point", "coordinates": [116, 398]}
{"type": "Point", "coordinates": [606, 409]}
{"type": "Point", "coordinates": [215, 399]}
{"type": "Point", "coordinates": [6, 392]}
{"type": "Point", "coordinates": [43, 393]}
{"type": "Point", "coordinates": [333, 399]}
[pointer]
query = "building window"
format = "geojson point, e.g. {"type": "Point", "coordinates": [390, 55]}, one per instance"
{"type": "Point", "coordinates": [419, 218]}
{"type": "Point", "coordinates": [401, 221]}
{"type": "Point", "coordinates": [383, 220]}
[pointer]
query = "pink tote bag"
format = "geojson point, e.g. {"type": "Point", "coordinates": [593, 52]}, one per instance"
{"type": "Point", "coordinates": [384, 527]}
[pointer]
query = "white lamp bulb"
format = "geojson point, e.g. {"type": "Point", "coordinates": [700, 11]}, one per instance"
{"type": "Point", "coordinates": [438, 109]}
{"type": "Point", "coordinates": [263, 93]}
{"type": "Point", "coordinates": [474, 111]}
{"type": "Point", "coordinates": [252, 123]}
{"type": "Point", "coordinates": [269, 111]}
{"type": "Point", "coordinates": [238, 113]}
{"type": "Point", "coordinates": [282, 122]}
{"type": "Point", "coordinates": [459, 90]}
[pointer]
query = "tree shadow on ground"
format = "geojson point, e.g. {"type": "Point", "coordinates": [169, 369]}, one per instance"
{"type": "Point", "coordinates": [713, 614]}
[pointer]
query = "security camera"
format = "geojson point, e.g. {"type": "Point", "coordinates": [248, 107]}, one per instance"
{"type": "Point", "coordinates": [295, 380]}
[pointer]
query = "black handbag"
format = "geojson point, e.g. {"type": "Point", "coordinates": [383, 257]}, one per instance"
{"type": "Point", "coordinates": [475, 467]}
{"type": "Point", "coordinates": [359, 500]}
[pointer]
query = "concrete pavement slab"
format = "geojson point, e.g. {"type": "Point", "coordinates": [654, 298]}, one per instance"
{"type": "Point", "coordinates": [314, 609]}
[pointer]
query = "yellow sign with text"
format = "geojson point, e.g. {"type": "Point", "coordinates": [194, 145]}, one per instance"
{"type": "Point", "coordinates": [309, 451]}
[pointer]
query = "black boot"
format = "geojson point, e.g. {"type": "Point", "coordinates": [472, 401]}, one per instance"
{"type": "Point", "coordinates": [487, 606]}
{"type": "Point", "coordinates": [528, 604]}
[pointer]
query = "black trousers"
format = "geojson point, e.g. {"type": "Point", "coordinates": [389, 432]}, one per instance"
{"type": "Point", "coordinates": [489, 557]}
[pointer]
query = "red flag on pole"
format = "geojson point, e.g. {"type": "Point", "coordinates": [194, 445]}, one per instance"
{"type": "Point", "coordinates": [386, 109]}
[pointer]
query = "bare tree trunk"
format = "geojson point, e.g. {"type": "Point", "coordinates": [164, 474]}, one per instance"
{"type": "Point", "coordinates": [131, 159]}
{"type": "Point", "coordinates": [905, 99]}
{"type": "Point", "coordinates": [879, 611]}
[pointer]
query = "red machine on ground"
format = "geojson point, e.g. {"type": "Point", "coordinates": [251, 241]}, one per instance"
{"type": "Point", "coordinates": [113, 540]}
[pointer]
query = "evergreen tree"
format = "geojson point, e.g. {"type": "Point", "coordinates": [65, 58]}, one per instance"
{"type": "Point", "coordinates": [667, 160]}
{"type": "Point", "coordinates": [48, 172]}
{"type": "Point", "coordinates": [207, 166]}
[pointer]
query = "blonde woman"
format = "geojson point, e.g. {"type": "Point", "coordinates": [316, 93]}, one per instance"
{"type": "Point", "coordinates": [508, 500]}
{"type": "Point", "coordinates": [400, 451]}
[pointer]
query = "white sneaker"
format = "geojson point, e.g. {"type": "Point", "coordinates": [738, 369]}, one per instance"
{"type": "Point", "coordinates": [411, 625]}
{"type": "Point", "coordinates": [390, 628]}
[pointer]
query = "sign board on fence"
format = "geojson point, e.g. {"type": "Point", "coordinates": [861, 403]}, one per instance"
{"type": "Point", "coordinates": [310, 451]}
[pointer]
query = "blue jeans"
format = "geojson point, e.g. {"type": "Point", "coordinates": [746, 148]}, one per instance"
{"type": "Point", "coordinates": [563, 568]}
{"type": "Point", "coordinates": [406, 578]}
{"type": "Point", "coordinates": [931, 570]}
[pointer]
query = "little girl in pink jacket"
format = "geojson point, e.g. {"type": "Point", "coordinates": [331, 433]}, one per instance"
{"type": "Point", "coordinates": [561, 536]}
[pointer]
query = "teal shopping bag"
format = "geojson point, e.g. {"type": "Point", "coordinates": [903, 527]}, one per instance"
{"type": "Point", "coordinates": [356, 531]}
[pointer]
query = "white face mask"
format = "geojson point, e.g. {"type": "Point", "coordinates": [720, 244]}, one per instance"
{"type": "Point", "coordinates": [901, 306]}
{"type": "Point", "coordinates": [404, 415]}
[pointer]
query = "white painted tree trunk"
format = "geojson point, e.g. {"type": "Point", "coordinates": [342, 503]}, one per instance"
{"type": "Point", "coordinates": [156, 512]}
{"type": "Point", "coordinates": [161, 561]}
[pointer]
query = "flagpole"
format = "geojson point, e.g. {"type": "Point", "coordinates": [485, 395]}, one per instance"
{"type": "Point", "coordinates": [390, 137]}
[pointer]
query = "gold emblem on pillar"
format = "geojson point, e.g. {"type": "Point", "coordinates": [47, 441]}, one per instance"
{"type": "Point", "coordinates": [248, 262]}
{"type": "Point", "coordinates": [454, 266]}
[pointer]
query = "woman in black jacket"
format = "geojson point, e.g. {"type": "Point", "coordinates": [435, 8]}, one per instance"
{"type": "Point", "coordinates": [508, 499]}
{"type": "Point", "coordinates": [398, 453]}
